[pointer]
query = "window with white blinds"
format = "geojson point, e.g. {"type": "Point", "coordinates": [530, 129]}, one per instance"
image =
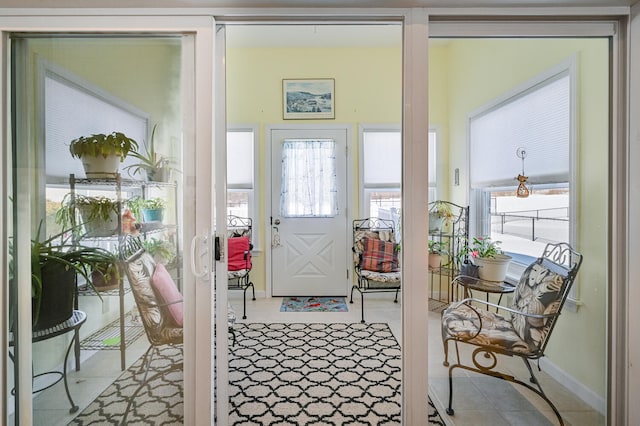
{"type": "Point", "coordinates": [73, 108]}
{"type": "Point", "coordinates": [381, 170]}
{"type": "Point", "coordinates": [241, 169]}
{"type": "Point", "coordinates": [537, 119]}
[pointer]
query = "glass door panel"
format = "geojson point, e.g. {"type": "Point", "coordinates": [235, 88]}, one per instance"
{"type": "Point", "coordinates": [75, 96]}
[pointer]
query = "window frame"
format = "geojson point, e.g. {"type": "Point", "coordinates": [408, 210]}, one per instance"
{"type": "Point", "coordinates": [250, 190]}
{"type": "Point", "coordinates": [479, 206]}
{"type": "Point", "coordinates": [366, 191]}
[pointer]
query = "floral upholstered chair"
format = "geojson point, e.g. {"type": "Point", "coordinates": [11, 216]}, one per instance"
{"type": "Point", "coordinates": [523, 330]}
{"type": "Point", "coordinates": [375, 258]}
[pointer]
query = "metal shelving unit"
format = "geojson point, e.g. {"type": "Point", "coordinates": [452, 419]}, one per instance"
{"type": "Point", "coordinates": [455, 235]}
{"type": "Point", "coordinates": [120, 333]}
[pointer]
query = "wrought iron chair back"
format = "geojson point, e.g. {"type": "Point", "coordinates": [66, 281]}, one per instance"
{"type": "Point", "coordinates": [374, 281]}
{"type": "Point", "coordinates": [239, 278]}
{"type": "Point", "coordinates": [524, 330]}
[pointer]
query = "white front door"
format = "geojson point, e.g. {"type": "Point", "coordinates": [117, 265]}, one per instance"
{"type": "Point", "coordinates": [308, 212]}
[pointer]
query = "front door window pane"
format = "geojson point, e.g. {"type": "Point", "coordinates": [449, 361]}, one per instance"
{"type": "Point", "coordinates": [308, 178]}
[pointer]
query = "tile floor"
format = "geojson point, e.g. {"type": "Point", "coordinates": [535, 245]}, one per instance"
{"type": "Point", "coordinates": [478, 400]}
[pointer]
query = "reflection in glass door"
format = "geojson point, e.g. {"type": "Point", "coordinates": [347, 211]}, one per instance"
{"type": "Point", "coordinates": [71, 220]}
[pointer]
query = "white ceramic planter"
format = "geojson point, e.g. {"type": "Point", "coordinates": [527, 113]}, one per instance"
{"type": "Point", "coordinates": [493, 269]}
{"type": "Point", "coordinates": [100, 167]}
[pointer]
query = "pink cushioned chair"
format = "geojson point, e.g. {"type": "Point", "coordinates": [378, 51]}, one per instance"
{"type": "Point", "coordinates": [375, 258]}
{"type": "Point", "coordinates": [239, 246]}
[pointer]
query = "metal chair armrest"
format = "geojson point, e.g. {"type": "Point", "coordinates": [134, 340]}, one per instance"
{"type": "Point", "coordinates": [504, 308]}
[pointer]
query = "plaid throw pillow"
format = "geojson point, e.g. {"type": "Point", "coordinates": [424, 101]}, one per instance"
{"type": "Point", "coordinates": [379, 256]}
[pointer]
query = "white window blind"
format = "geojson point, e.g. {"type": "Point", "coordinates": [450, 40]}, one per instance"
{"type": "Point", "coordinates": [537, 120]}
{"type": "Point", "coordinates": [382, 158]}
{"type": "Point", "coordinates": [74, 109]}
{"type": "Point", "coordinates": [240, 159]}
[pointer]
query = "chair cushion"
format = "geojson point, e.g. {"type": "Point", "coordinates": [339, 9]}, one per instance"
{"type": "Point", "coordinates": [238, 246]}
{"type": "Point", "coordinates": [167, 293]}
{"type": "Point", "coordinates": [538, 292]}
{"type": "Point", "coordinates": [462, 322]}
{"type": "Point", "coordinates": [379, 256]}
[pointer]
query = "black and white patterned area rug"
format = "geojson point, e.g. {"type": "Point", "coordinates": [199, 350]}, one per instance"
{"type": "Point", "coordinates": [160, 402]}
{"type": "Point", "coordinates": [316, 374]}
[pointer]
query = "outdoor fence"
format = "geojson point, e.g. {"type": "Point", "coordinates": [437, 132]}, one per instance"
{"type": "Point", "coordinates": [529, 220]}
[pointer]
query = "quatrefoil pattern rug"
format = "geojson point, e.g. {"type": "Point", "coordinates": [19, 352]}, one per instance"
{"type": "Point", "coordinates": [307, 374]}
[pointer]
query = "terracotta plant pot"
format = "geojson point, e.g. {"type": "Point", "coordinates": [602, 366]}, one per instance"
{"type": "Point", "coordinates": [434, 260]}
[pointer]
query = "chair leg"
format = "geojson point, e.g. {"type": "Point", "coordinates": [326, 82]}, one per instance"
{"type": "Point", "coordinates": [396, 299]}
{"type": "Point", "coordinates": [244, 303]}
{"type": "Point", "coordinates": [352, 288]}
{"type": "Point", "coordinates": [449, 409]}
{"type": "Point", "coordinates": [362, 306]}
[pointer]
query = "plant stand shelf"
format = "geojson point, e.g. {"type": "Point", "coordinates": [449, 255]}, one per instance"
{"type": "Point", "coordinates": [108, 337]}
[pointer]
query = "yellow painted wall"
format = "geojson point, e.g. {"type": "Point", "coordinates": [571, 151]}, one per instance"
{"type": "Point", "coordinates": [478, 71]}
{"type": "Point", "coordinates": [368, 89]}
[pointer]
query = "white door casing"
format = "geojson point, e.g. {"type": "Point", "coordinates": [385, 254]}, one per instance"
{"type": "Point", "coordinates": [309, 248]}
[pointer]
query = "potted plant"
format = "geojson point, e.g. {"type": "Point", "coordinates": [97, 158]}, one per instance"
{"type": "Point", "coordinates": [106, 275]}
{"type": "Point", "coordinates": [55, 263]}
{"type": "Point", "coordinates": [150, 209]}
{"type": "Point", "coordinates": [101, 154]}
{"type": "Point", "coordinates": [161, 250]}
{"type": "Point", "coordinates": [437, 249]}
{"type": "Point", "coordinates": [99, 215]}
{"type": "Point", "coordinates": [157, 166]}
{"type": "Point", "coordinates": [440, 215]}
{"type": "Point", "coordinates": [491, 260]}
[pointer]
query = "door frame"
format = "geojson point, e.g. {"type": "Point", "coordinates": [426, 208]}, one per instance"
{"type": "Point", "coordinates": [348, 129]}
{"type": "Point", "coordinates": [197, 113]}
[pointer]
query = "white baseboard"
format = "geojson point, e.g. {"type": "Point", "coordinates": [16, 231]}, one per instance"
{"type": "Point", "coordinates": [587, 395]}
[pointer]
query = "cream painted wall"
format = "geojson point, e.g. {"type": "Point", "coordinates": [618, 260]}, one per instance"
{"type": "Point", "coordinates": [478, 71]}
{"type": "Point", "coordinates": [368, 89]}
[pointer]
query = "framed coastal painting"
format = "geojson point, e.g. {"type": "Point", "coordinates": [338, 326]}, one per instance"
{"type": "Point", "coordinates": [305, 99]}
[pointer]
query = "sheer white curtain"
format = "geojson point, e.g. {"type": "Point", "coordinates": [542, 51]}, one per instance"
{"type": "Point", "coordinates": [308, 178]}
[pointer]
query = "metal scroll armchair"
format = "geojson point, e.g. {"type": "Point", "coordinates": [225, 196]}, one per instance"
{"type": "Point", "coordinates": [375, 258]}
{"type": "Point", "coordinates": [160, 305]}
{"type": "Point", "coordinates": [523, 331]}
{"type": "Point", "coordinates": [239, 257]}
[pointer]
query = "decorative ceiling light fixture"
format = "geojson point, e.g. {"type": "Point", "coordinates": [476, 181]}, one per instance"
{"type": "Point", "coordinates": [522, 191]}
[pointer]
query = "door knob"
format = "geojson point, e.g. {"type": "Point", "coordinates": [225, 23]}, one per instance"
{"type": "Point", "coordinates": [277, 221]}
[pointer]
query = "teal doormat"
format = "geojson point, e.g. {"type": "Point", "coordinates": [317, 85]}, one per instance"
{"type": "Point", "coordinates": [313, 304]}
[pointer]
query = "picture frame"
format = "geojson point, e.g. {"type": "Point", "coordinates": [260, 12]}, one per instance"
{"type": "Point", "coordinates": [308, 99]}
